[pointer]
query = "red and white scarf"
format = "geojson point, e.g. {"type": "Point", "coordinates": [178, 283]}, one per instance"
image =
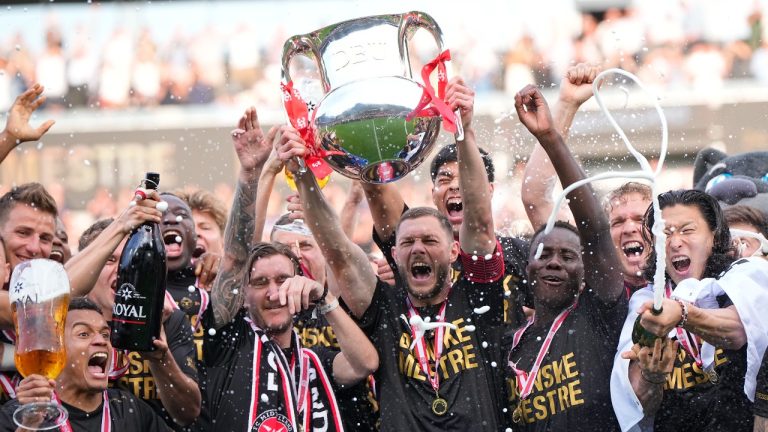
{"type": "Point", "coordinates": [299, 379]}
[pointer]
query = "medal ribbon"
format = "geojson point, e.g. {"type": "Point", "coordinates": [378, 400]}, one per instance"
{"type": "Point", "coordinates": [690, 342]}
{"type": "Point", "coordinates": [525, 380]}
{"type": "Point", "coordinates": [9, 383]}
{"type": "Point", "coordinates": [437, 343]}
{"type": "Point", "coordinates": [117, 370]}
{"type": "Point", "coordinates": [428, 97]}
{"type": "Point", "coordinates": [205, 299]}
{"type": "Point", "coordinates": [10, 335]}
{"type": "Point", "coordinates": [106, 423]}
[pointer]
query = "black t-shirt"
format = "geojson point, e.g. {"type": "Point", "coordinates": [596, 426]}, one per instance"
{"type": "Point", "coordinates": [138, 379]}
{"type": "Point", "coordinates": [128, 414]}
{"type": "Point", "coordinates": [231, 348]}
{"type": "Point", "coordinates": [572, 388]}
{"type": "Point", "coordinates": [189, 302]}
{"type": "Point", "coordinates": [516, 291]}
{"type": "Point", "coordinates": [692, 402]}
{"type": "Point", "coordinates": [470, 369]}
{"type": "Point", "coordinates": [357, 404]}
{"type": "Point", "coordinates": [761, 391]}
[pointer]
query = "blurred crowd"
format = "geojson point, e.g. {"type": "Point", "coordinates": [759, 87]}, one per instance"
{"type": "Point", "coordinates": [669, 44]}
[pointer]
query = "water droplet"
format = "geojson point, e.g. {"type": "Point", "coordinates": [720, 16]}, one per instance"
{"type": "Point", "coordinates": [212, 331]}
{"type": "Point", "coordinates": [179, 218]}
{"type": "Point", "coordinates": [191, 288]}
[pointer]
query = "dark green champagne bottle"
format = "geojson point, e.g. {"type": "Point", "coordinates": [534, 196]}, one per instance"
{"type": "Point", "coordinates": [141, 274]}
{"type": "Point", "coordinates": [642, 336]}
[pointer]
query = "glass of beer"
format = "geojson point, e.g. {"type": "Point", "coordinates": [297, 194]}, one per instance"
{"type": "Point", "coordinates": [39, 295]}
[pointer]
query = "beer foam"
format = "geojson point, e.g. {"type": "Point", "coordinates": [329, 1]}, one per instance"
{"type": "Point", "coordinates": [38, 280]}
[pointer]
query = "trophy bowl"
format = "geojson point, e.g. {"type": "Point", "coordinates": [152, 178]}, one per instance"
{"type": "Point", "coordinates": [360, 121]}
{"type": "Point", "coordinates": [363, 127]}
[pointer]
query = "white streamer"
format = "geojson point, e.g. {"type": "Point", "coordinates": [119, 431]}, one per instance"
{"type": "Point", "coordinates": [646, 173]}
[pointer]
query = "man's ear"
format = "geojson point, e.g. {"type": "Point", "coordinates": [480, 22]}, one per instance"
{"type": "Point", "coordinates": [491, 187]}
{"type": "Point", "coordinates": [455, 249]}
{"type": "Point", "coordinates": [7, 273]}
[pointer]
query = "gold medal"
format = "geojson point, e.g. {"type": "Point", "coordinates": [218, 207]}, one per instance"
{"type": "Point", "coordinates": [714, 378]}
{"type": "Point", "coordinates": [439, 406]}
{"type": "Point", "coordinates": [517, 414]}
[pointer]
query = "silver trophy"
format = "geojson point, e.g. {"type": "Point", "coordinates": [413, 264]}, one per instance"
{"type": "Point", "coordinates": [368, 90]}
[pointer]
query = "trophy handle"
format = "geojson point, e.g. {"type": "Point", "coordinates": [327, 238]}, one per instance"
{"type": "Point", "coordinates": [301, 45]}
{"type": "Point", "coordinates": [411, 22]}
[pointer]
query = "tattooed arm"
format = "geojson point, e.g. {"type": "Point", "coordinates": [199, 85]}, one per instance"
{"type": "Point", "coordinates": [252, 150]}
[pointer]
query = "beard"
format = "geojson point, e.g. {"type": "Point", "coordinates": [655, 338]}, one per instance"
{"type": "Point", "coordinates": [272, 329]}
{"type": "Point", "coordinates": [441, 275]}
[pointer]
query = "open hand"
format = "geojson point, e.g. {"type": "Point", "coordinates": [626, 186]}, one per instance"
{"type": "Point", "coordinates": [251, 146]}
{"type": "Point", "coordinates": [17, 128]}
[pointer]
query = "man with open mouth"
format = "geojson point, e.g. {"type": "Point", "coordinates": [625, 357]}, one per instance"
{"type": "Point", "coordinates": [700, 375]}
{"type": "Point", "coordinates": [82, 386]}
{"type": "Point", "coordinates": [167, 378]}
{"type": "Point", "coordinates": [437, 340]}
{"type": "Point", "coordinates": [625, 206]}
{"type": "Point", "coordinates": [555, 381]}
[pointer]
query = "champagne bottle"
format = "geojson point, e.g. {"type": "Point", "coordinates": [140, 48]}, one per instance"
{"type": "Point", "coordinates": [141, 277]}
{"type": "Point", "coordinates": [642, 336]}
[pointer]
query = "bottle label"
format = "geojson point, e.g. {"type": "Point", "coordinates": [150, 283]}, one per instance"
{"type": "Point", "coordinates": [124, 310]}
{"type": "Point", "coordinates": [128, 292]}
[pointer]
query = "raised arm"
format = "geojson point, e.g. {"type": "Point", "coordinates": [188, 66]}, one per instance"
{"type": "Point", "coordinates": [347, 261]}
{"type": "Point", "coordinates": [252, 150]}
{"type": "Point", "coordinates": [386, 205]}
{"type": "Point", "coordinates": [83, 268]}
{"type": "Point", "coordinates": [349, 211]}
{"type": "Point", "coordinates": [179, 394]}
{"type": "Point", "coordinates": [266, 186]}
{"type": "Point", "coordinates": [476, 234]}
{"type": "Point", "coordinates": [17, 128]}
{"type": "Point", "coordinates": [358, 358]}
{"type": "Point", "coordinates": [539, 177]}
{"type": "Point", "coordinates": [602, 269]}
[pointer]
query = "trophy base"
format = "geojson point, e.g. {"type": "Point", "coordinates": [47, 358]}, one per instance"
{"type": "Point", "coordinates": [385, 171]}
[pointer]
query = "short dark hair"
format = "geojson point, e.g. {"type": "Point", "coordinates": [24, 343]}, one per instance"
{"type": "Point", "coordinates": [721, 256]}
{"type": "Point", "coordinates": [265, 249]}
{"type": "Point", "coordinates": [205, 202]}
{"type": "Point", "coordinates": [741, 214]}
{"type": "Point", "coordinates": [93, 231]}
{"type": "Point", "coordinates": [31, 194]}
{"type": "Point", "coordinates": [83, 303]}
{"type": "Point", "coordinates": [449, 153]}
{"type": "Point", "coordinates": [558, 224]}
{"type": "Point", "coordinates": [622, 191]}
{"type": "Point", "coordinates": [417, 212]}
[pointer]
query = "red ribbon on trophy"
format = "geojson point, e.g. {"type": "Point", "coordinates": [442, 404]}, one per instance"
{"type": "Point", "coordinates": [436, 102]}
{"type": "Point", "coordinates": [298, 114]}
